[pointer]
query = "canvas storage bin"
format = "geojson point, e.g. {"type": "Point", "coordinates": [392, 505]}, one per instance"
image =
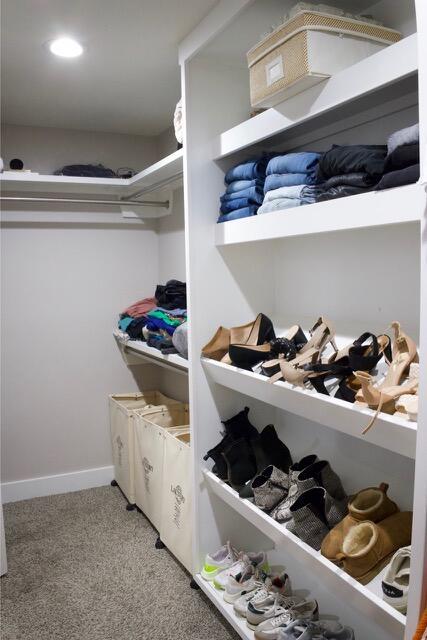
{"type": "Point", "coordinates": [177, 518]}
{"type": "Point", "coordinates": [151, 429]}
{"type": "Point", "coordinates": [307, 49]}
{"type": "Point", "coordinates": [122, 407]}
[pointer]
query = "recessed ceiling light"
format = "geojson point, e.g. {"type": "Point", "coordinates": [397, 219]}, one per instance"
{"type": "Point", "coordinates": [66, 48]}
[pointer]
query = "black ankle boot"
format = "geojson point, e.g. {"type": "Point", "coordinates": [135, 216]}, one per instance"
{"type": "Point", "coordinates": [275, 450]}
{"type": "Point", "coordinates": [241, 463]}
{"type": "Point", "coordinates": [239, 426]}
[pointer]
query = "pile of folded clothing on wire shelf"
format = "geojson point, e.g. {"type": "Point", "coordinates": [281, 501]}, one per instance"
{"type": "Point", "coordinates": [402, 164]}
{"type": "Point", "coordinates": [244, 189]}
{"type": "Point", "coordinates": [289, 181]}
{"type": "Point", "coordinates": [349, 170]}
{"type": "Point", "coordinates": [160, 320]}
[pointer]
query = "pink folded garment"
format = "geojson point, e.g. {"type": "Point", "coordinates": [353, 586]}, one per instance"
{"type": "Point", "coordinates": [140, 308]}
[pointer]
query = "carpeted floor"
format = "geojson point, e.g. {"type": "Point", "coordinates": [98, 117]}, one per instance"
{"type": "Point", "coordinates": [83, 568]}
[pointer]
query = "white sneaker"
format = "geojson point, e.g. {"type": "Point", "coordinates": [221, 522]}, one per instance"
{"type": "Point", "coordinates": [281, 604]}
{"type": "Point", "coordinates": [258, 560]}
{"type": "Point", "coordinates": [218, 561]}
{"type": "Point", "coordinates": [396, 580]}
{"type": "Point", "coordinates": [299, 609]}
{"type": "Point", "coordinates": [244, 583]}
{"type": "Point", "coordinates": [241, 603]}
{"type": "Point", "coordinates": [265, 595]}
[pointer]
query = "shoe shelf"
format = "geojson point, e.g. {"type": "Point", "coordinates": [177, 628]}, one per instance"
{"type": "Point", "coordinates": [164, 173]}
{"type": "Point", "coordinates": [373, 209]}
{"type": "Point", "coordinates": [388, 432]}
{"type": "Point", "coordinates": [367, 598]}
{"type": "Point", "coordinates": [215, 596]}
{"type": "Point", "coordinates": [138, 352]}
{"type": "Point", "coordinates": [387, 67]}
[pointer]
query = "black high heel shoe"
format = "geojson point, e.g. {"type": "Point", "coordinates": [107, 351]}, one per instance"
{"type": "Point", "coordinates": [246, 356]}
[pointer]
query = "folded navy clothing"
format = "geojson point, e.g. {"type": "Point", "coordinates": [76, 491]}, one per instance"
{"type": "Point", "coordinates": [254, 193]}
{"type": "Point", "coordinates": [341, 191]}
{"type": "Point", "coordinates": [351, 179]}
{"type": "Point", "coordinates": [238, 203]}
{"type": "Point", "coordinates": [239, 185]}
{"type": "Point", "coordinates": [399, 178]}
{"type": "Point", "coordinates": [302, 162]}
{"type": "Point", "coordinates": [134, 329]}
{"type": "Point", "coordinates": [277, 180]}
{"type": "Point", "coordinates": [339, 160]}
{"type": "Point", "coordinates": [245, 212]}
{"type": "Point", "coordinates": [249, 170]}
{"type": "Point", "coordinates": [401, 157]}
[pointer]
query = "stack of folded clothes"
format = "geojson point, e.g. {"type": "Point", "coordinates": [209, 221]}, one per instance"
{"type": "Point", "coordinates": [156, 319]}
{"type": "Point", "coordinates": [349, 170]}
{"type": "Point", "coordinates": [402, 164]}
{"type": "Point", "coordinates": [245, 189]}
{"type": "Point", "coordinates": [287, 178]}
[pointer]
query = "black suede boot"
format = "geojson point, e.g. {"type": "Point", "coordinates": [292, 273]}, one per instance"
{"type": "Point", "coordinates": [220, 466]}
{"type": "Point", "coordinates": [241, 463]}
{"type": "Point", "coordinates": [239, 426]}
{"type": "Point", "coordinates": [275, 450]}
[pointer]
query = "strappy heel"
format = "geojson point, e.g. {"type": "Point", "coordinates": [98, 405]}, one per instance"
{"type": "Point", "coordinates": [383, 397]}
{"type": "Point", "coordinates": [293, 371]}
{"type": "Point", "coordinates": [321, 334]}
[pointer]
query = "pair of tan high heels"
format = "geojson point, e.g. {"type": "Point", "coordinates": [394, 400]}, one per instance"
{"type": "Point", "coordinates": [385, 396]}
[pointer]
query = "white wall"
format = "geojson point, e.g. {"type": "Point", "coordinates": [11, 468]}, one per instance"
{"type": "Point", "coordinates": [63, 286]}
{"type": "Point", "coordinates": [44, 149]}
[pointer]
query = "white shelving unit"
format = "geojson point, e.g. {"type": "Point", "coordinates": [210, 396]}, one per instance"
{"type": "Point", "coordinates": [137, 352]}
{"type": "Point", "coordinates": [376, 209]}
{"type": "Point", "coordinates": [389, 432]}
{"type": "Point", "coordinates": [294, 264]}
{"type": "Point", "coordinates": [367, 599]}
{"type": "Point", "coordinates": [161, 174]}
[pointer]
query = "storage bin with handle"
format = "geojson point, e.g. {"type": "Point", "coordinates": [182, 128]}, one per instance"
{"type": "Point", "coordinates": [177, 523]}
{"type": "Point", "coordinates": [309, 48]}
{"type": "Point", "coordinates": [151, 428]}
{"type": "Point", "coordinates": [122, 407]}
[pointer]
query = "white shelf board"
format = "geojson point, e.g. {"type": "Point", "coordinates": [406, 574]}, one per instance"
{"type": "Point", "coordinates": [373, 209]}
{"type": "Point", "coordinates": [157, 176]}
{"type": "Point", "coordinates": [388, 432]}
{"type": "Point", "coordinates": [392, 64]}
{"type": "Point", "coordinates": [135, 350]}
{"type": "Point", "coordinates": [215, 596]}
{"type": "Point", "coordinates": [367, 598]}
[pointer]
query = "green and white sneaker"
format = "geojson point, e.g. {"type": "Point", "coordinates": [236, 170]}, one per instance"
{"type": "Point", "coordinates": [218, 561]}
{"type": "Point", "coordinates": [257, 560]}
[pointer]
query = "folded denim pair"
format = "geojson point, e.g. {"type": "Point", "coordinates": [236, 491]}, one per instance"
{"type": "Point", "coordinates": [249, 170]}
{"type": "Point", "coordinates": [239, 199]}
{"type": "Point", "coordinates": [239, 185]}
{"type": "Point", "coordinates": [302, 162]}
{"type": "Point", "coordinates": [244, 212]}
{"type": "Point", "coordinates": [277, 180]}
{"type": "Point", "coordinates": [279, 204]}
{"type": "Point", "coordinates": [340, 160]}
{"type": "Point", "coordinates": [284, 192]}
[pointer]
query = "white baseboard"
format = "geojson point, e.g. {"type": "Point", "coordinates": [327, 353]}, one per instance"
{"type": "Point", "coordinates": [51, 485]}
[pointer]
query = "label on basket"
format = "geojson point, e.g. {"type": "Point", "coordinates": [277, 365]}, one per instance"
{"type": "Point", "coordinates": [179, 500]}
{"type": "Point", "coordinates": [274, 70]}
{"type": "Point", "coordinates": [119, 450]}
{"type": "Point", "coordinates": [148, 468]}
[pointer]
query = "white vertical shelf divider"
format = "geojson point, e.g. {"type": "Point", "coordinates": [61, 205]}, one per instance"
{"type": "Point", "coordinates": [227, 287]}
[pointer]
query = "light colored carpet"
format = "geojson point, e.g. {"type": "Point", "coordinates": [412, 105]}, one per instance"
{"type": "Point", "coordinates": [83, 568]}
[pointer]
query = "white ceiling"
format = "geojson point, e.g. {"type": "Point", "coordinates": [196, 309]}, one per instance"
{"type": "Point", "coordinates": [126, 81]}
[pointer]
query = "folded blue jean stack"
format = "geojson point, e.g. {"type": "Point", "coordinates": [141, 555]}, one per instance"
{"type": "Point", "coordinates": [244, 189]}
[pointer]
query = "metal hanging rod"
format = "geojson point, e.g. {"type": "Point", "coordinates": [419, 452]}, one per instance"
{"type": "Point", "coordinates": [112, 203]}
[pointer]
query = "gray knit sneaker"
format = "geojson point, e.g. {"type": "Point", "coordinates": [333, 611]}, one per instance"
{"type": "Point", "coordinates": [270, 488]}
